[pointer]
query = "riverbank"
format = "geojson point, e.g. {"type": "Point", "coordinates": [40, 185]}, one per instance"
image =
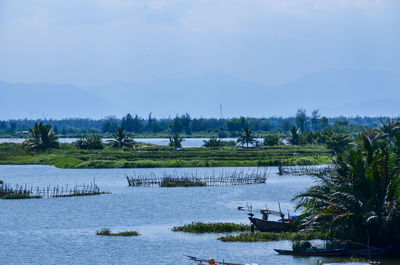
{"type": "Point", "coordinates": [150, 156]}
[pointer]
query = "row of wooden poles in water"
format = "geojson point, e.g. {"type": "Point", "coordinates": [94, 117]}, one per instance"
{"type": "Point", "coordinates": [50, 191]}
{"type": "Point", "coordinates": [238, 177]}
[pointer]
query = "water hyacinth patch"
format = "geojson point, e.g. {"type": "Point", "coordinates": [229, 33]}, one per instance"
{"type": "Point", "coordinates": [107, 232]}
{"type": "Point", "coordinates": [199, 227]}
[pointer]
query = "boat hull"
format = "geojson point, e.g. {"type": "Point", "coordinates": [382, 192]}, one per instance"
{"type": "Point", "coordinates": [271, 226]}
{"type": "Point", "coordinates": [376, 252]}
{"type": "Point", "coordinates": [317, 253]}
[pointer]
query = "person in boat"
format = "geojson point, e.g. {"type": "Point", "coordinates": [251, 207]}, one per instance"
{"type": "Point", "coordinates": [211, 261]}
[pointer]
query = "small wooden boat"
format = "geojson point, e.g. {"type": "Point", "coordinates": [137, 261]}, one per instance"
{"type": "Point", "coordinates": [343, 252]}
{"type": "Point", "coordinates": [205, 261]}
{"type": "Point", "coordinates": [368, 252]}
{"type": "Point", "coordinates": [265, 225]}
{"type": "Point", "coordinates": [313, 253]}
{"type": "Point", "coordinates": [272, 226]}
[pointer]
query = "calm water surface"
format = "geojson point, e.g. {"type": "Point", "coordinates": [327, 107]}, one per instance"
{"type": "Point", "coordinates": [62, 230]}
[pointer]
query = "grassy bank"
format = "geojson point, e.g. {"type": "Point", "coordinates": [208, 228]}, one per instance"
{"type": "Point", "coordinates": [107, 232]}
{"type": "Point", "coordinates": [199, 227]}
{"type": "Point", "coordinates": [270, 236]}
{"type": "Point", "coordinates": [150, 156]}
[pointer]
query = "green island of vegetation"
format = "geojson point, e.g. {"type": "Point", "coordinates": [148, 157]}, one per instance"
{"type": "Point", "coordinates": [181, 182]}
{"type": "Point", "coordinates": [199, 227]}
{"type": "Point", "coordinates": [311, 140]}
{"type": "Point", "coordinates": [107, 232]}
{"type": "Point", "coordinates": [42, 147]}
{"type": "Point", "coordinates": [308, 141]}
{"type": "Point", "coordinates": [14, 196]}
{"type": "Point", "coordinates": [148, 156]}
{"type": "Point", "coordinates": [78, 194]}
{"type": "Point", "coordinates": [272, 236]}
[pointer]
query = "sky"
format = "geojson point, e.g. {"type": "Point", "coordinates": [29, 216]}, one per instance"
{"type": "Point", "coordinates": [93, 42]}
{"type": "Point", "coordinates": [124, 46]}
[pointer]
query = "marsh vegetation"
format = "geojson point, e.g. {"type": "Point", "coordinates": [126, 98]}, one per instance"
{"type": "Point", "coordinates": [107, 232]}
{"type": "Point", "coordinates": [199, 227]}
{"type": "Point", "coordinates": [271, 236]}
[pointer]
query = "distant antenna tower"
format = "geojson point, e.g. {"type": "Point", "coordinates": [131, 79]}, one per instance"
{"type": "Point", "coordinates": [220, 111]}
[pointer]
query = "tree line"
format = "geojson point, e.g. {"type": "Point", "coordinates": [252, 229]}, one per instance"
{"type": "Point", "coordinates": [185, 124]}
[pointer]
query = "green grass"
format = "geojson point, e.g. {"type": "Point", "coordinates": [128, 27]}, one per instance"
{"type": "Point", "coordinates": [199, 227]}
{"type": "Point", "coordinates": [271, 236]}
{"type": "Point", "coordinates": [150, 156]}
{"type": "Point", "coordinates": [107, 232]}
{"type": "Point", "coordinates": [19, 196]}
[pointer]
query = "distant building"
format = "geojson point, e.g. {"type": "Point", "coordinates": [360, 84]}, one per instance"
{"type": "Point", "coordinates": [19, 133]}
{"type": "Point", "coordinates": [110, 117]}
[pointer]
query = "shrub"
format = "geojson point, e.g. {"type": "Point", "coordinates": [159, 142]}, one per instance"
{"type": "Point", "coordinates": [272, 140]}
{"type": "Point", "coordinates": [213, 142]}
{"type": "Point", "coordinates": [89, 142]}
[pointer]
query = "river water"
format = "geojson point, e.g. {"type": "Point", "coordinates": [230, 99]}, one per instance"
{"type": "Point", "coordinates": [62, 230]}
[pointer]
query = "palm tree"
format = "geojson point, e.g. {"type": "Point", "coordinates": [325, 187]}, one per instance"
{"type": "Point", "coordinates": [246, 137]}
{"type": "Point", "coordinates": [361, 201]}
{"type": "Point", "coordinates": [121, 139]}
{"type": "Point", "coordinates": [338, 142]}
{"type": "Point", "coordinates": [42, 138]}
{"type": "Point", "coordinates": [389, 129]}
{"type": "Point", "coordinates": [175, 141]}
{"type": "Point", "coordinates": [294, 136]}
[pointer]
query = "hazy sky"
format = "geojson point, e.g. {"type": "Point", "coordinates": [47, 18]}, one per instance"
{"type": "Point", "coordinates": [89, 42]}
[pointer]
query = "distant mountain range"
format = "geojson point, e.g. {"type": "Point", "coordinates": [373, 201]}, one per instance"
{"type": "Point", "coordinates": [44, 100]}
{"type": "Point", "coordinates": [334, 92]}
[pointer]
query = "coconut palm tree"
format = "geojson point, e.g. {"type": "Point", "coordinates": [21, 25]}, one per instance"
{"type": "Point", "coordinates": [121, 139]}
{"type": "Point", "coordinates": [361, 202]}
{"type": "Point", "coordinates": [175, 141]}
{"type": "Point", "coordinates": [42, 138]}
{"type": "Point", "coordinates": [246, 137]}
{"type": "Point", "coordinates": [294, 136]}
{"type": "Point", "coordinates": [338, 142]}
{"type": "Point", "coordinates": [389, 129]}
